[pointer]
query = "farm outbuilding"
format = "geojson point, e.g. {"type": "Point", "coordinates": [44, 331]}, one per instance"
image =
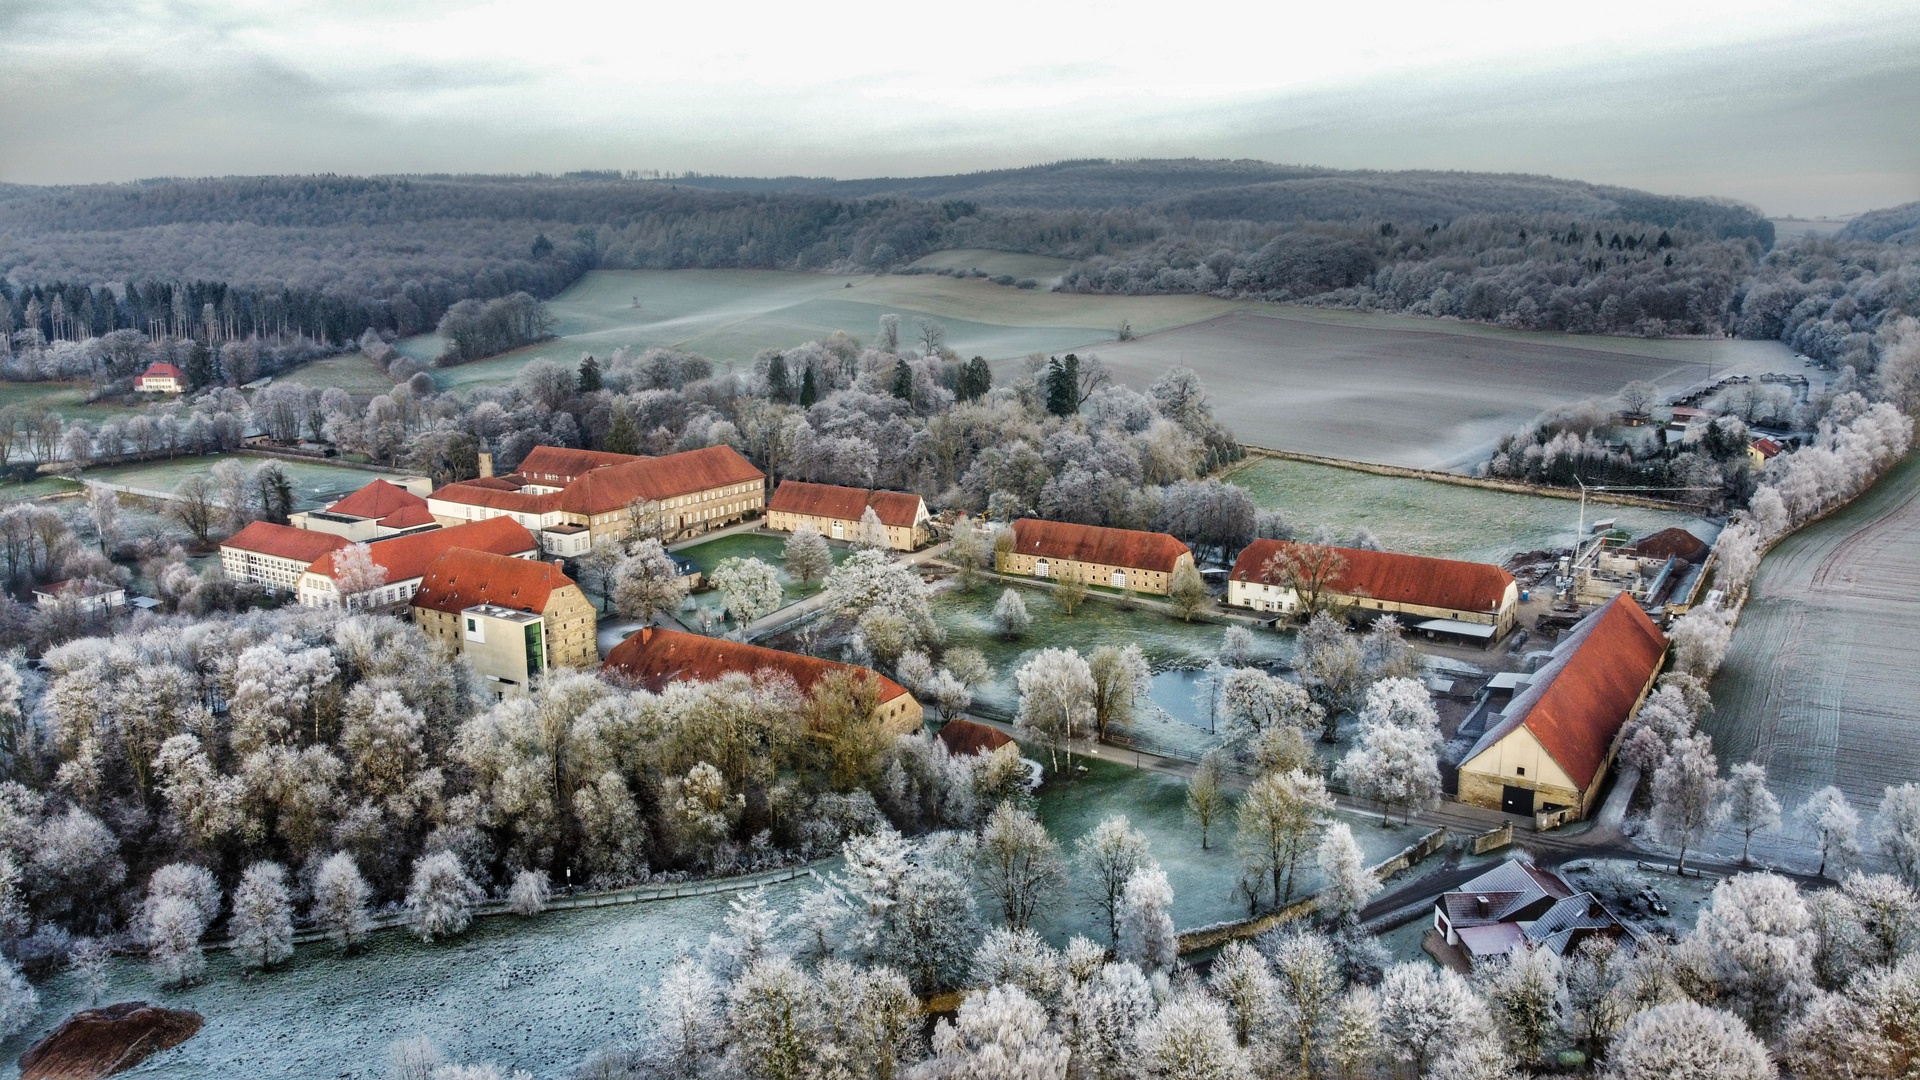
{"type": "Point", "coordinates": [1465, 599]}
{"type": "Point", "coordinates": [1112, 558]}
{"type": "Point", "coordinates": [1551, 748]}
{"type": "Point", "coordinates": [835, 512]}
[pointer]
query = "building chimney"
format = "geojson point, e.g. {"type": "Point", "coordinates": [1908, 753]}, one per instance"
{"type": "Point", "coordinates": [486, 466]}
{"type": "Point", "coordinates": [1480, 904]}
{"type": "Point", "coordinates": [1594, 910]}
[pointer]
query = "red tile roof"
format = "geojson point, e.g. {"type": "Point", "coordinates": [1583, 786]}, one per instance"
{"type": "Point", "coordinates": [408, 517]}
{"type": "Point", "coordinates": [497, 495]}
{"type": "Point", "coordinates": [163, 370]}
{"type": "Point", "coordinates": [407, 557]}
{"type": "Point", "coordinates": [1397, 578]}
{"type": "Point", "coordinates": [898, 509]}
{"type": "Point", "coordinates": [377, 500]}
{"type": "Point", "coordinates": [655, 657]}
{"type": "Point", "coordinates": [462, 577]}
{"type": "Point", "coordinates": [1578, 702]}
{"type": "Point", "coordinates": [1098, 545]}
{"type": "Point", "coordinates": [963, 737]}
{"type": "Point", "coordinates": [601, 490]}
{"type": "Point", "coordinates": [557, 466]}
{"type": "Point", "coordinates": [284, 541]}
{"type": "Point", "coordinates": [1768, 448]}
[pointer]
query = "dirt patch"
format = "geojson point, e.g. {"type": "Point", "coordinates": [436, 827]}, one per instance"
{"type": "Point", "coordinates": [100, 1042]}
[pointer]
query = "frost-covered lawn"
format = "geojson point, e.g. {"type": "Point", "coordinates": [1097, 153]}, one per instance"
{"type": "Point", "coordinates": [769, 548]}
{"type": "Point", "coordinates": [1155, 804]}
{"type": "Point", "coordinates": [533, 994]}
{"type": "Point", "coordinates": [1170, 645]}
{"type": "Point", "coordinates": [314, 483]}
{"type": "Point", "coordinates": [1427, 517]}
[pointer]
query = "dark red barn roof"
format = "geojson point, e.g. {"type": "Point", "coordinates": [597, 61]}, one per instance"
{"type": "Point", "coordinates": [1391, 576]}
{"type": "Point", "coordinates": [653, 658]}
{"type": "Point", "coordinates": [1098, 545]}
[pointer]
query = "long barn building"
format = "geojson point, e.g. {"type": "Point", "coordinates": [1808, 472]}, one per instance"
{"type": "Point", "coordinates": [1127, 559]}
{"type": "Point", "coordinates": [1467, 599]}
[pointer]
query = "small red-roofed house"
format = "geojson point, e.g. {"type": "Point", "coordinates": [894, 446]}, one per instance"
{"type": "Point", "coordinates": [1762, 450]}
{"type": "Point", "coordinates": [160, 378]}
{"type": "Point", "coordinates": [1142, 562]}
{"type": "Point", "coordinates": [1550, 749]}
{"type": "Point", "coordinates": [379, 510]}
{"type": "Point", "coordinates": [835, 512]}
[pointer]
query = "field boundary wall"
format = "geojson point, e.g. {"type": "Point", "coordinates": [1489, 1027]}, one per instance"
{"type": "Point", "coordinates": [1207, 937]}
{"type": "Point", "coordinates": [1512, 487]}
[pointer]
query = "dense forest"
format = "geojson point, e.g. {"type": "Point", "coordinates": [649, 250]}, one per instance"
{"type": "Point", "coordinates": [327, 258]}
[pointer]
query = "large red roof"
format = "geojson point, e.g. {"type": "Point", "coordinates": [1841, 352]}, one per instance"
{"type": "Point", "coordinates": [557, 466]}
{"type": "Point", "coordinates": [654, 658]}
{"type": "Point", "coordinates": [407, 557]}
{"type": "Point", "coordinates": [601, 490]}
{"type": "Point", "coordinates": [377, 500]}
{"type": "Point", "coordinates": [462, 577]}
{"type": "Point", "coordinates": [284, 541]}
{"type": "Point", "coordinates": [898, 509]}
{"type": "Point", "coordinates": [1097, 544]}
{"type": "Point", "coordinates": [1397, 578]}
{"type": "Point", "coordinates": [163, 370]}
{"type": "Point", "coordinates": [1578, 702]}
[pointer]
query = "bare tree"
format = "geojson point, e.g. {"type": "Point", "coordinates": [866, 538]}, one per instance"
{"type": "Point", "coordinates": [1019, 864]}
{"type": "Point", "coordinates": [195, 504]}
{"type": "Point", "coordinates": [1309, 570]}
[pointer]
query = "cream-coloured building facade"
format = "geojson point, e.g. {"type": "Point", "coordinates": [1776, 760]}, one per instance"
{"type": "Point", "coordinates": [1126, 559]}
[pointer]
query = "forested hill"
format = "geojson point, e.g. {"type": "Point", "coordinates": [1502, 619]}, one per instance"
{"type": "Point", "coordinates": [1260, 191]}
{"type": "Point", "coordinates": [1894, 225]}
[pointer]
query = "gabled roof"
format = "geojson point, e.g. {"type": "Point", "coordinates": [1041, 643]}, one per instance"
{"type": "Point", "coordinates": [658, 478]}
{"type": "Point", "coordinates": [557, 466]}
{"type": "Point", "coordinates": [408, 517]}
{"type": "Point", "coordinates": [284, 541]}
{"type": "Point", "coordinates": [163, 370]}
{"type": "Point", "coordinates": [407, 557]}
{"type": "Point", "coordinates": [377, 500]}
{"type": "Point", "coordinates": [964, 737]}
{"type": "Point", "coordinates": [498, 494]}
{"type": "Point", "coordinates": [1509, 888]}
{"type": "Point", "coordinates": [654, 658]}
{"type": "Point", "coordinates": [1396, 578]}
{"type": "Point", "coordinates": [1674, 543]}
{"type": "Point", "coordinates": [462, 577]}
{"type": "Point", "coordinates": [1578, 702]}
{"type": "Point", "coordinates": [898, 509]}
{"type": "Point", "coordinates": [80, 588]}
{"type": "Point", "coordinates": [1561, 925]}
{"type": "Point", "coordinates": [1098, 545]}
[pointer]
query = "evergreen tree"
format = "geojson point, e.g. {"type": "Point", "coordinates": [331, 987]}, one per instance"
{"type": "Point", "coordinates": [903, 381]}
{"type": "Point", "coordinates": [779, 386]}
{"type": "Point", "coordinates": [1063, 386]}
{"type": "Point", "coordinates": [199, 367]}
{"type": "Point", "coordinates": [976, 378]}
{"type": "Point", "coordinates": [809, 390]}
{"type": "Point", "coordinates": [589, 375]}
{"type": "Point", "coordinates": [623, 437]}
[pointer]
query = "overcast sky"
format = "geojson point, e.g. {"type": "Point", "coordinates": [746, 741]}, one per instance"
{"type": "Point", "coordinates": [1800, 107]}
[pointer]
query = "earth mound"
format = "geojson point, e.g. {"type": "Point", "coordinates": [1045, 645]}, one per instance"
{"type": "Point", "coordinates": [94, 1043]}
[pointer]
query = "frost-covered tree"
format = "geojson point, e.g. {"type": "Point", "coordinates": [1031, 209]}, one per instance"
{"type": "Point", "coordinates": [1206, 796]}
{"type": "Point", "coordinates": [103, 506]}
{"type": "Point", "coordinates": [999, 1034]}
{"type": "Point", "coordinates": [871, 1022]}
{"type": "Point", "coordinates": [1010, 615]}
{"type": "Point", "coordinates": [806, 555]}
{"type": "Point", "coordinates": [1146, 937]}
{"type": "Point", "coordinates": [1700, 639]}
{"type": "Point", "coordinates": [1394, 766]}
{"type": "Point", "coordinates": [871, 581]}
{"type": "Point", "coordinates": [948, 694]}
{"type": "Point", "coordinates": [1192, 1039]}
{"type": "Point", "coordinates": [1018, 864]}
{"type": "Point", "coordinates": [340, 898]}
{"type": "Point", "coordinates": [1597, 994]}
{"type": "Point", "coordinates": [1107, 857]}
{"type": "Point", "coordinates": [1752, 948]}
{"type": "Point", "coordinates": [1525, 991]}
{"type": "Point", "coordinates": [771, 1015]}
{"type": "Point", "coordinates": [1686, 1041]}
{"type": "Point", "coordinates": [90, 958]}
{"type": "Point", "coordinates": [931, 929]}
{"type": "Point", "coordinates": [1020, 958]}
{"type": "Point", "coordinates": [1835, 826]}
{"type": "Point", "coordinates": [1354, 1037]}
{"type": "Point", "coordinates": [1099, 1016]}
{"type": "Point", "coordinates": [529, 894]}
{"type": "Point", "coordinates": [440, 897]}
{"type": "Point", "coordinates": [749, 588]}
{"type": "Point", "coordinates": [1187, 592]}
{"type": "Point", "coordinates": [1332, 667]}
{"type": "Point", "coordinates": [182, 901]}
{"type": "Point", "coordinates": [262, 923]}
{"type": "Point", "coordinates": [1242, 981]}
{"type": "Point", "coordinates": [1348, 883]}
{"type": "Point", "coordinates": [686, 1024]}
{"type": "Point", "coordinates": [355, 574]}
{"type": "Point", "coordinates": [1424, 1009]}
{"type": "Point", "coordinates": [869, 532]}
{"type": "Point", "coordinates": [1897, 830]}
{"type": "Point", "coordinates": [19, 1001]}
{"type": "Point", "coordinates": [1870, 1029]}
{"type": "Point", "coordinates": [1687, 795]}
{"type": "Point", "coordinates": [1307, 981]}
{"type": "Point", "coordinates": [1056, 701]}
{"type": "Point", "coordinates": [1253, 703]}
{"type": "Point", "coordinates": [1279, 818]}
{"type": "Point", "coordinates": [1120, 680]}
{"type": "Point", "coordinates": [647, 582]}
{"type": "Point", "coordinates": [1750, 807]}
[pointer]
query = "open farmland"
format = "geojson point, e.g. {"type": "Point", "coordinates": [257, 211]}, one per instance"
{"type": "Point", "coordinates": [1041, 268]}
{"type": "Point", "coordinates": [1402, 391]}
{"type": "Point", "coordinates": [314, 483]}
{"type": "Point", "coordinates": [1820, 685]}
{"type": "Point", "coordinates": [351, 372]}
{"type": "Point", "coordinates": [1430, 517]}
{"type": "Point", "coordinates": [732, 314]}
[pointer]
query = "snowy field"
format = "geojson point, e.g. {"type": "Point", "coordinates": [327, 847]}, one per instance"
{"type": "Point", "coordinates": [1402, 391]}
{"type": "Point", "coordinates": [1820, 685]}
{"type": "Point", "coordinates": [314, 483]}
{"type": "Point", "coordinates": [1427, 517]}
